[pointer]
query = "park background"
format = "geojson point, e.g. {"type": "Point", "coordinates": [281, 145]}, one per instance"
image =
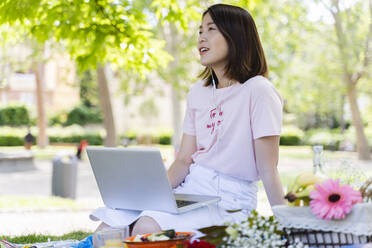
{"type": "Point", "coordinates": [117, 73]}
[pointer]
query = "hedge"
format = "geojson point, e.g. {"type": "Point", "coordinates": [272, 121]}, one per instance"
{"type": "Point", "coordinates": [11, 140]}
{"type": "Point", "coordinates": [14, 116]}
{"type": "Point", "coordinates": [83, 115]}
{"type": "Point", "coordinates": [290, 140]}
{"type": "Point", "coordinates": [92, 139]}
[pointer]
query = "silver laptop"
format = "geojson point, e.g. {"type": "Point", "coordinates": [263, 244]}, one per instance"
{"type": "Point", "coordinates": [136, 179]}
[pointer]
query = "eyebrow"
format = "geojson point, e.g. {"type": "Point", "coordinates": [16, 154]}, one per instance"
{"type": "Point", "coordinates": [209, 23]}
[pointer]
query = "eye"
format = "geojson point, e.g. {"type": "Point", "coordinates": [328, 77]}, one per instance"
{"type": "Point", "coordinates": [211, 28]}
{"type": "Point", "coordinates": [200, 32]}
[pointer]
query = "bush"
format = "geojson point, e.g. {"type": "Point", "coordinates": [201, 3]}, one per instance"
{"type": "Point", "coordinates": [58, 119]}
{"type": "Point", "coordinates": [290, 140]}
{"type": "Point", "coordinates": [12, 136]}
{"type": "Point", "coordinates": [11, 140]}
{"type": "Point", "coordinates": [165, 139]}
{"type": "Point", "coordinates": [14, 116]}
{"type": "Point", "coordinates": [291, 136]}
{"type": "Point", "coordinates": [92, 139]}
{"type": "Point", "coordinates": [83, 115]}
{"type": "Point", "coordinates": [330, 139]}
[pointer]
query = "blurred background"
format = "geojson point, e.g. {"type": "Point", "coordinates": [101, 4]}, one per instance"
{"type": "Point", "coordinates": [116, 73]}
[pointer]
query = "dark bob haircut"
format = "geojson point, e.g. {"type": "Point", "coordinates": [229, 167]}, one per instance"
{"type": "Point", "coordinates": [246, 57]}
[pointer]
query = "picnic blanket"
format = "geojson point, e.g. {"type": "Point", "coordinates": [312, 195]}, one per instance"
{"type": "Point", "coordinates": [85, 243]}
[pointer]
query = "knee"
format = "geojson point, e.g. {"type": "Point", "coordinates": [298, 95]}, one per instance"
{"type": "Point", "coordinates": [101, 226]}
{"type": "Point", "coordinates": [144, 225]}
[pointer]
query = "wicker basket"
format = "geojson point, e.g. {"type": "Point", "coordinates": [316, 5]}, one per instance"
{"type": "Point", "coordinates": [299, 223]}
{"type": "Point", "coordinates": [322, 239]}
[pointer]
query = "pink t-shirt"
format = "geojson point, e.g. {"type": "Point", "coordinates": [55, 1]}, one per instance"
{"type": "Point", "coordinates": [226, 121]}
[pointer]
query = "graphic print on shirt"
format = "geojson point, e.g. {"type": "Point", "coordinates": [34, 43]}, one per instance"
{"type": "Point", "coordinates": [215, 118]}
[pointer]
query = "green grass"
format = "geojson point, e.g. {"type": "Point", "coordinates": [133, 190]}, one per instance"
{"type": "Point", "coordinates": [295, 152]}
{"type": "Point", "coordinates": [39, 203]}
{"type": "Point", "coordinates": [298, 152]}
{"type": "Point", "coordinates": [46, 153]}
{"type": "Point", "coordinates": [38, 238]}
{"type": "Point", "coordinates": [50, 151]}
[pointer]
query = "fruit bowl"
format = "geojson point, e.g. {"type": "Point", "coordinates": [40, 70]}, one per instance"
{"type": "Point", "coordinates": [179, 239]}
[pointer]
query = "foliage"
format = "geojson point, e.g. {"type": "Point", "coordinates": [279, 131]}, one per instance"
{"type": "Point", "coordinates": [80, 115]}
{"type": "Point", "coordinates": [290, 140]}
{"type": "Point", "coordinates": [180, 13]}
{"type": "Point", "coordinates": [165, 139]}
{"type": "Point", "coordinates": [291, 136]}
{"type": "Point", "coordinates": [162, 137]}
{"type": "Point", "coordinates": [148, 109]}
{"type": "Point", "coordinates": [94, 32]}
{"type": "Point", "coordinates": [83, 115]}
{"type": "Point", "coordinates": [330, 139]}
{"type": "Point", "coordinates": [36, 238]}
{"type": "Point", "coordinates": [88, 86]}
{"type": "Point", "coordinates": [256, 231]}
{"type": "Point", "coordinates": [14, 116]}
{"type": "Point", "coordinates": [75, 133]}
{"type": "Point", "coordinates": [11, 140]}
{"type": "Point", "coordinates": [58, 119]}
{"type": "Point", "coordinates": [92, 139]}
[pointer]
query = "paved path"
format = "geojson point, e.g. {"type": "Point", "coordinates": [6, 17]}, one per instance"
{"type": "Point", "coordinates": [56, 222]}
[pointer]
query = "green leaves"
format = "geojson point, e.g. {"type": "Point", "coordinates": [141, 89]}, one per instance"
{"type": "Point", "coordinates": [93, 31]}
{"type": "Point", "coordinates": [18, 10]}
{"type": "Point", "coordinates": [214, 234]}
{"type": "Point", "coordinates": [179, 12]}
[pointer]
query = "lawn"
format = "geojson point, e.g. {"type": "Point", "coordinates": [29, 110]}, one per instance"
{"type": "Point", "coordinates": [295, 152]}
{"type": "Point", "coordinates": [38, 238]}
{"type": "Point", "coordinates": [297, 155]}
{"type": "Point", "coordinates": [29, 203]}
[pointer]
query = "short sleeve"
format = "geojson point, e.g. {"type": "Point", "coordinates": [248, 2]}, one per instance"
{"type": "Point", "coordinates": [266, 111]}
{"type": "Point", "coordinates": [189, 121]}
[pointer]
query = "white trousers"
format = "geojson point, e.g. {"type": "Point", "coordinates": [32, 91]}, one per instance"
{"type": "Point", "coordinates": [235, 194]}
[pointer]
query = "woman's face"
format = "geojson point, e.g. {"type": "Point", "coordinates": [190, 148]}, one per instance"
{"type": "Point", "coordinates": [212, 46]}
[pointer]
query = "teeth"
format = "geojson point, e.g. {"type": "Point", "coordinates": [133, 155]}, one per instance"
{"type": "Point", "coordinates": [203, 49]}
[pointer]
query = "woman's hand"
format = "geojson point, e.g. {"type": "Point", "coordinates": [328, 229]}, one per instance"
{"type": "Point", "coordinates": [180, 167]}
{"type": "Point", "coordinates": [267, 155]}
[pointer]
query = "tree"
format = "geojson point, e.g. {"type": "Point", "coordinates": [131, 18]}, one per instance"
{"type": "Point", "coordinates": [95, 33]}
{"type": "Point", "coordinates": [355, 55]}
{"type": "Point", "coordinates": [87, 88]}
{"type": "Point", "coordinates": [11, 35]}
{"type": "Point", "coordinates": [178, 27]}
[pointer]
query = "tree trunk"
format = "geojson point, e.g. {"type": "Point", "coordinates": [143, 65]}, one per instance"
{"type": "Point", "coordinates": [177, 125]}
{"type": "Point", "coordinates": [342, 118]}
{"type": "Point", "coordinates": [42, 138]}
{"type": "Point", "coordinates": [105, 103]}
{"type": "Point", "coordinates": [176, 105]}
{"type": "Point", "coordinates": [362, 143]}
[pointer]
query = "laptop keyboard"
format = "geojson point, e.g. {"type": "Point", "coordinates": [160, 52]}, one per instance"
{"type": "Point", "coordinates": [182, 203]}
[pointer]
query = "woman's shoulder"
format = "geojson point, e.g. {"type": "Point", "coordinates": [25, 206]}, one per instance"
{"type": "Point", "coordinates": [259, 84]}
{"type": "Point", "coordinates": [198, 88]}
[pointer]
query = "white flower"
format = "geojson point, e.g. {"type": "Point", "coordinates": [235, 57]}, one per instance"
{"type": "Point", "coordinates": [256, 231]}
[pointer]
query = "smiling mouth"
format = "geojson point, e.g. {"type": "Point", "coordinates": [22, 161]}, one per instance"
{"type": "Point", "coordinates": [203, 50]}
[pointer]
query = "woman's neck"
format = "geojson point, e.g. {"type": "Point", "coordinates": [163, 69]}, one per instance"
{"type": "Point", "coordinates": [223, 81]}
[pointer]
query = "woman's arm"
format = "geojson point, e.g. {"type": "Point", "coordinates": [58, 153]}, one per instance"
{"type": "Point", "coordinates": [180, 167]}
{"type": "Point", "coordinates": [267, 155]}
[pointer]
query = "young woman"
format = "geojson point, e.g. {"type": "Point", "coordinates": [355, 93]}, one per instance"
{"type": "Point", "coordinates": [231, 130]}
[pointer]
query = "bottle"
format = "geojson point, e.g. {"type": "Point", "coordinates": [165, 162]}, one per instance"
{"type": "Point", "coordinates": [318, 161]}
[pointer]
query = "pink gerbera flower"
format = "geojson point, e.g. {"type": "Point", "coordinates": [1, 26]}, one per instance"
{"type": "Point", "coordinates": [330, 200]}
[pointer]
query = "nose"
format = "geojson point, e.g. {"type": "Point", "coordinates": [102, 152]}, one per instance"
{"type": "Point", "coordinates": [202, 38]}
